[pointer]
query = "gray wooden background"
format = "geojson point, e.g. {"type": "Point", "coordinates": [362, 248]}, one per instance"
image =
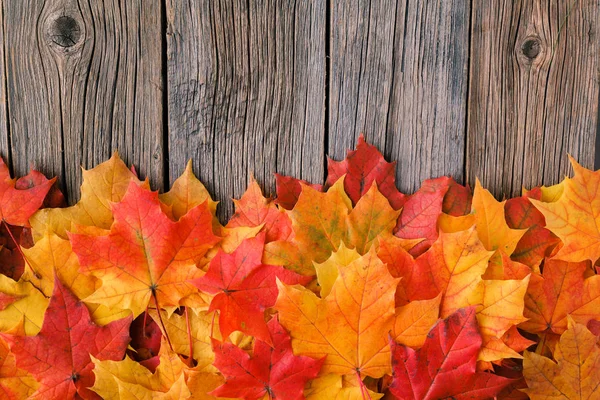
{"type": "Point", "coordinates": [500, 90]}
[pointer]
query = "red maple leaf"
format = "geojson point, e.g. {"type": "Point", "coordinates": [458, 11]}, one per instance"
{"type": "Point", "coordinates": [59, 356]}
{"type": "Point", "coordinates": [538, 242]}
{"type": "Point", "coordinates": [362, 167]}
{"type": "Point", "coordinates": [289, 189]}
{"type": "Point", "coordinates": [17, 205]}
{"type": "Point", "coordinates": [420, 214]}
{"type": "Point", "coordinates": [445, 367]}
{"type": "Point", "coordinates": [458, 199]}
{"type": "Point", "coordinates": [275, 371]}
{"type": "Point", "coordinates": [245, 288]}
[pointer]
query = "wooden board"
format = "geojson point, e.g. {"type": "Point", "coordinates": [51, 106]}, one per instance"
{"type": "Point", "coordinates": [84, 79]}
{"type": "Point", "coordinates": [533, 94]}
{"type": "Point", "coordinates": [4, 145]}
{"type": "Point", "coordinates": [399, 73]}
{"type": "Point", "coordinates": [246, 92]}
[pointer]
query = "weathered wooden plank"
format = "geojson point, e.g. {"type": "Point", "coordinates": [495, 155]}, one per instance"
{"type": "Point", "coordinates": [246, 91]}
{"type": "Point", "coordinates": [84, 79]}
{"type": "Point", "coordinates": [399, 73]}
{"type": "Point", "coordinates": [4, 146]}
{"type": "Point", "coordinates": [533, 94]}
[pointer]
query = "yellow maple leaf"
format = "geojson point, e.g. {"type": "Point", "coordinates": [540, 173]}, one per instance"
{"type": "Point", "coordinates": [575, 216]}
{"type": "Point", "coordinates": [574, 375]}
{"type": "Point", "coordinates": [128, 379]}
{"type": "Point", "coordinates": [102, 185]}
{"type": "Point", "coordinates": [351, 325]}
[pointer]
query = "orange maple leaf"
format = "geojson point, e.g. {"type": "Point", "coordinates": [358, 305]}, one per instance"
{"type": "Point", "coordinates": [146, 254]}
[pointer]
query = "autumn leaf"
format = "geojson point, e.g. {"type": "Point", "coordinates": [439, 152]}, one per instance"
{"type": "Point", "coordinates": [575, 373]}
{"type": "Point", "coordinates": [420, 213]}
{"type": "Point", "coordinates": [15, 383]}
{"type": "Point", "coordinates": [362, 167]}
{"type": "Point", "coordinates": [537, 242]}
{"type": "Point", "coordinates": [575, 216]}
{"type": "Point", "coordinates": [457, 200]}
{"type": "Point", "coordinates": [351, 324]}
{"type": "Point", "coordinates": [564, 288]}
{"type": "Point", "coordinates": [335, 387]}
{"type": "Point", "coordinates": [452, 266]}
{"type": "Point", "coordinates": [445, 366]}
{"type": "Point", "coordinates": [492, 229]}
{"type": "Point", "coordinates": [146, 254]}
{"type": "Point", "coordinates": [186, 193]}
{"type": "Point", "coordinates": [128, 379]}
{"type": "Point", "coordinates": [244, 288]}
{"type": "Point", "coordinates": [253, 209]}
{"type": "Point", "coordinates": [289, 189]}
{"type": "Point", "coordinates": [59, 356]}
{"type": "Point", "coordinates": [17, 205]}
{"type": "Point", "coordinates": [320, 219]}
{"type": "Point", "coordinates": [102, 185]}
{"type": "Point", "coordinates": [26, 312]}
{"type": "Point", "coordinates": [274, 371]}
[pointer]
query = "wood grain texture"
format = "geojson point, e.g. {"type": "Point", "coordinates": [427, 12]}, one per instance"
{"type": "Point", "coordinates": [4, 145]}
{"type": "Point", "coordinates": [533, 98]}
{"type": "Point", "coordinates": [246, 92]}
{"type": "Point", "coordinates": [84, 79]}
{"type": "Point", "coordinates": [399, 73]}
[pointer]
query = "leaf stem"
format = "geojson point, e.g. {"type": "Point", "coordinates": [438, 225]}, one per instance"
{"type": "Point", "coordinates": [35, 273]}
{"type": "Point", "coordinates": [161, 321]}
{"type": "Point", "coordinates": [189, 332]}
{"type": "Point", "coordinates": [363, 389]}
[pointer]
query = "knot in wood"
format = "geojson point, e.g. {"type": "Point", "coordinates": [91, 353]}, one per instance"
{"type": "Point", "coordinates": [65, 31]}
{"type": "Point", "coordinates": [531, 48]}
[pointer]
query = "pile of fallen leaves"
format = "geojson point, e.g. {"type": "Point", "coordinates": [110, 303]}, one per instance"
{"type": "Point", "coordinates": [350, 290]}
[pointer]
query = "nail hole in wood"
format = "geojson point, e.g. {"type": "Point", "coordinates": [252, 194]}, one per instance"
{"type": "Point", "coordinates": [531, 48]}
{"type": "Point", "coordinates": [65, 31]}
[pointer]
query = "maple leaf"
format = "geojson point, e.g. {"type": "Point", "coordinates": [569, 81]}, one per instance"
{"type": "Point", "coordinates": [52, 256]}
{"type": "Point", "coordinates": [186, 193]}
{"type": "Point", "coordinates": [575, 216]}
{"type": "Point", "coordinates": [446, 364]}
{"type": "Point", "coordinates": [420, 213]}
{"type": "Point", "coordinates": [335, 387]}
{"type": "Point", "coordinates": [17, 205]}
{"type": "Point", "coordinates": [320, 219]}
{"type": "Point", "coordinates": [197, 335]}
{"type": "Point", "coordinates": [253, 209]}
{"type": "Point", "coordinates": [59, 356]}
{"type": "Point", "coordinates": [351, 324]}
{"type": "Point", "coordinates": [24, 306]}
{"type": "Point", "coordinates": [274, 371]}
{"type": "Point", "coordinates": [15, 383]}
{"type": "Point", "coordinates": [128, 379]}
{"type": "Point", "coordinates": [244, 288]}
{"type": "Point", "coordinates": [452, 266]}
{"type": "Point", "coordinates": [362, 167]}
{"type": "Point", "coordinates": [146, 337]}
{"type": "Point", "coordinates": [289, 188]}
{"type": "Point", "coordinates": [574, 375]}
{"type": "Point", "coordinates": [102, 185]}
{"type": "Point", "coordinates": [146, 254]}
{"type": "Point", "coordinates": [492, 229]}
{"type": "Point", "coordinates": [457, 200]}
{"type": "Point", "coordinates": [537, 242]}
{"type": "Point", "coordinates": [561, 290]}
